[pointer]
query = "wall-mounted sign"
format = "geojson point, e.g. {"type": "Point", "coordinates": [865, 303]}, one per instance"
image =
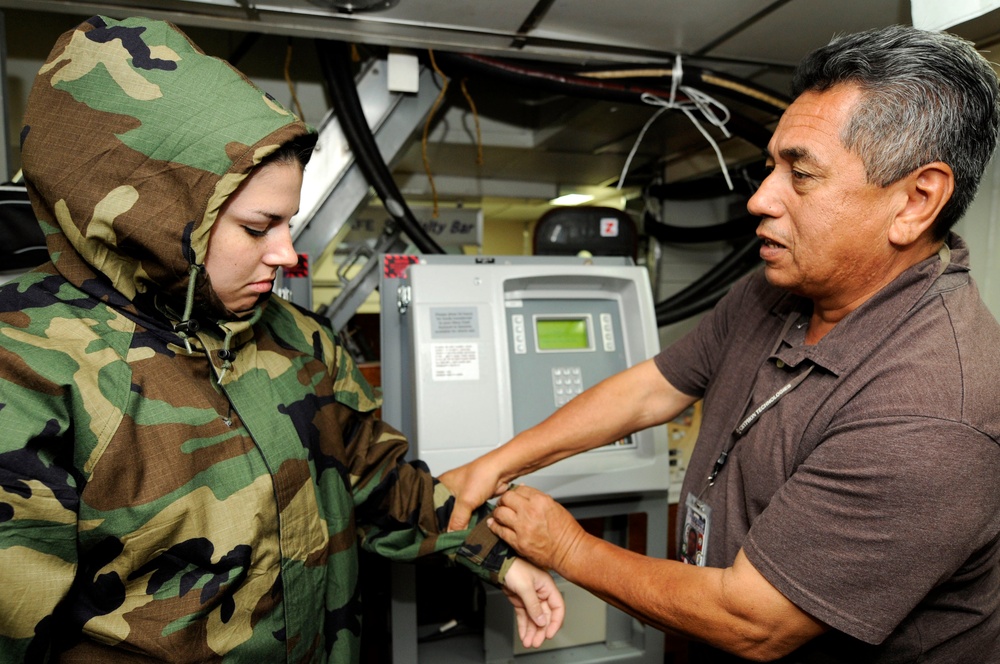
{"type": "Point", "coordinates": [451, 228]}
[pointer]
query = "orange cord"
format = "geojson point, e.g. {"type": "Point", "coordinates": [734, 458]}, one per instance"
{"type": "Point", "coordinates": [291, 84]}
{"type": "Point", "coordinates": [427, 126]}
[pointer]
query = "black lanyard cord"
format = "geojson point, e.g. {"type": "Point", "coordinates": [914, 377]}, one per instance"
{"type": "Point", "coordinates": [752, 418]}
{"type": "Point", "coordinates": [773, 399]}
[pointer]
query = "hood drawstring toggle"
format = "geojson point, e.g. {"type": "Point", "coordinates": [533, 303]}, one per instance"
{"type": "Point", "coordinates": [227, 354]}
{"type": "Point", "coordinates": [188, 327]}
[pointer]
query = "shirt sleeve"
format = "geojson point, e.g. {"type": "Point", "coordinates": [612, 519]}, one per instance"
{"type": "Point", "coordinates": [689, 363]}
{"type": "Point", "coordinates": [878, 516]}
{"type": "Point", "coordinates": [402, 510]}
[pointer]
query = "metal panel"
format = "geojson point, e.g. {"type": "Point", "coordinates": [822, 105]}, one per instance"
{"type": "Point", "coordinates": [797, 28]}
{"type": "Point", "coordinates": [668, 26]}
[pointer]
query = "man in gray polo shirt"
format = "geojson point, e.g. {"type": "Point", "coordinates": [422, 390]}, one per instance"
{"type": "Point", "coordinates": [842, 502]}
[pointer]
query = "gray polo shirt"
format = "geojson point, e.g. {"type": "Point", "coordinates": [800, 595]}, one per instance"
{"type": "Point", "coordinates": [869, 495]}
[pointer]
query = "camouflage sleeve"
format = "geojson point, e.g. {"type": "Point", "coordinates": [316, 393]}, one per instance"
{"type": "Point", "coordinates": [38, 507]}
{"type": "Point", "coordinates": [402, 510]}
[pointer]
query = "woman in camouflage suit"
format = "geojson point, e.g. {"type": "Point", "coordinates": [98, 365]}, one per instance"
{"type": "Point", "coordinates": [188, 463]}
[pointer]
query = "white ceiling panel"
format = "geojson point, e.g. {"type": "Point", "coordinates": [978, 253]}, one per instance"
{"type": "Point", "coordinates": [665, 26]}
{"type": "Point", "coordinates": [795, 28]}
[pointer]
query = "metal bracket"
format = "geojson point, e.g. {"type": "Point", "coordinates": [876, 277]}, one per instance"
{"type": "Point", "coordinates": [365, 281]}
{"type": "Point", "coordinates": [404, 296]}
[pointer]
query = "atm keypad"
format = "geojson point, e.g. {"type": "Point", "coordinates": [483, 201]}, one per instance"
{"type": "Point", "coordinates": [567, 382]}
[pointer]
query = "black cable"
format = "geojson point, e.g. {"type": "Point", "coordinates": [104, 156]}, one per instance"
{"type": "Point", "coordinates": [693, 308]}
{"type": "Point", "coordinates": [734, 265]}
{"type": "Point", "coordinates": [247, 43]}
{"type": "Point", "coordinates": [618, 86]}
{"type": "Point", "coordinates": [335, 62]}
{"type": "Point", "coordinates": [710, 186]}
{"type": "Point", "coordinates": [733, 229]}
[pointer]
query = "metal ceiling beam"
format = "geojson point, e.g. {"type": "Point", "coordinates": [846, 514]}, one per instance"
{"type": "Point", "coordinates": [283, 17]}
{"type": "Point", "coordinates": [740, 27]}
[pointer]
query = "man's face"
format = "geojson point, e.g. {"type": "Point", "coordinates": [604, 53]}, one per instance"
{"type": "Point", "coordinates": [250, 239]}
{"type": "Point", "coordinates": [823, 225]}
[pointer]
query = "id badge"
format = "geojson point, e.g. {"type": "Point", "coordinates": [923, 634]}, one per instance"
{"type": "Point", "coordinates": [694, 540]}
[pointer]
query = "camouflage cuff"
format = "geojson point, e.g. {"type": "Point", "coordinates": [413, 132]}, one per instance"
{"type": "Point", "coordinates": [502, 576]}
{"type": "Point", "coordinates": [488, 551]}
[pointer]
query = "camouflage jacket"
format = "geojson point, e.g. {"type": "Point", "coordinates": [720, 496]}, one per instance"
{"type": "Point", "coordinates": [160, 502]}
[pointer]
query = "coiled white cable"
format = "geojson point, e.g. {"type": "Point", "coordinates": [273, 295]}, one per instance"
{"type": "Point", "coordinates": [697, 101]}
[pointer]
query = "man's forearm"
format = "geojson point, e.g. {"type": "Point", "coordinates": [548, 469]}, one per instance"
{"type": "Point", "coordinates": [733, 609]}
{"type": "Point", "coordinates": [633, 400]}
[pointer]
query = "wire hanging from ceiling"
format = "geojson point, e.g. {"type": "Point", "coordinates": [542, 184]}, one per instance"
{"type": "Point", "coordinates": [697, 101]}
{"type": "Point", "coordinates": [619, 85]}
{"type": "Point", "coordinates": [445, 81]}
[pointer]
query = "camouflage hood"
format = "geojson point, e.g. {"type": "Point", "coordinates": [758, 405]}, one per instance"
{"type": "Point", "coordinates": [129, 153]}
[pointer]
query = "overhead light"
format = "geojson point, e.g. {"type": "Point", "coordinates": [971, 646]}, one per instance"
{"type": "Point", "coordinates": [571, 199]}
{"type": "Point", "coordinates": [355, 6]}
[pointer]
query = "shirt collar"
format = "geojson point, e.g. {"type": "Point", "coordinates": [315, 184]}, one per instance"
{"type": "Point", "coordinates": [868, 326]}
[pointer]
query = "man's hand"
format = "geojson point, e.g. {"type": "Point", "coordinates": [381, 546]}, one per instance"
{"type": "Point", "coordinates": [472, 484]}
{"type": "Point", "coordinates": [735, 609]}
{"type": "Point", "coordinates": [538, 604]}
{"type": "Point", "coordinates": [539, 528]}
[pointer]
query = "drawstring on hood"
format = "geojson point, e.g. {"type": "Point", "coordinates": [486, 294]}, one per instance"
{"type": "Point", "coordinates": [232, 328]}
{"type": "Point", "coordinates": [188, 326]}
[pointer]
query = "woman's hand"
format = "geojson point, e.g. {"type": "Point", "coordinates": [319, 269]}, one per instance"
{"type": "Point", "coordinates": [538, 604]}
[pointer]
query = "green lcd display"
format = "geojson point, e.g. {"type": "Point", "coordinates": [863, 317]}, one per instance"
{"type": "Point", "coordinates": [561, 333]}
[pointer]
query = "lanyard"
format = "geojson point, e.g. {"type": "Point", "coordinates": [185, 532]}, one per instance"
{"type": "Point", "coordinates": [755, 414]}
{"type": "Point", "coordinates": [742, 427]}
{"type": "Point", "coordinates": [944, 253]}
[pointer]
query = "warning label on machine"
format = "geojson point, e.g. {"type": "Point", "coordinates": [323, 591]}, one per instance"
{"type": "Point", "coordinates": [455, 361]}
{"type": "Point", "coordinates": [454, 322]}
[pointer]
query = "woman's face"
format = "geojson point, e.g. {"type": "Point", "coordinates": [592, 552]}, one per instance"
{"type": "Point", "coordinates": [251, 239]}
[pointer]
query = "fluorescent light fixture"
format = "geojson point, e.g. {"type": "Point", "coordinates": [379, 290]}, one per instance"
{"type": "Point", "coordinates": [571, 199]}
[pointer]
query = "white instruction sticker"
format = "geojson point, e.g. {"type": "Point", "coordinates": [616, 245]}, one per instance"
{"type": "Point", "coordinates": [454, 322]}
{"type": "Point", "coordinates": [455, 361]}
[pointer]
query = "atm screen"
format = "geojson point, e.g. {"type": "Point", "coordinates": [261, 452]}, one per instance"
{"type": "Point", "coordinates": [562, 333]}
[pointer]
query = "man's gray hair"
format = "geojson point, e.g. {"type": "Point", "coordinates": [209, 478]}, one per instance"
{"type": "Point", "coordinates": [926, 96]}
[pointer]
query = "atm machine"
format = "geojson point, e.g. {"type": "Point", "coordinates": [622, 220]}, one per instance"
{"type": "Point", "coordinates": [476, 349]}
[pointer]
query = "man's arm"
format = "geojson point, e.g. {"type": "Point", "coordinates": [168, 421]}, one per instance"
{"type": "Point", "coordinates": [635, 399]}
{"type": "Point", "coordinates": [734, 609]}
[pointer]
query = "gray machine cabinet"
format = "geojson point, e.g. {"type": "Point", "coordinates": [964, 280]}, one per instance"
{"type": "Point", "coordinates": [474, 351]}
